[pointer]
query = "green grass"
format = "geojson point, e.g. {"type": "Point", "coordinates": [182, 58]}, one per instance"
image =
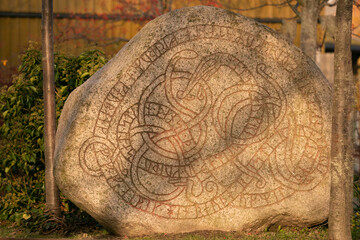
{"type": "Point", "coordinates": [291, 233]}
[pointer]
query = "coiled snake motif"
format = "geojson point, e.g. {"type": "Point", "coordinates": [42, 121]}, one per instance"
{"type": "Point", "coordinates": [190, 147]}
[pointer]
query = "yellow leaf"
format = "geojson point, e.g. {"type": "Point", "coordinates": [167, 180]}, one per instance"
{"type": "Point", "coordinates": [26, 216]}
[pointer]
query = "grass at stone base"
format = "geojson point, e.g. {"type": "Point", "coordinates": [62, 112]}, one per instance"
{"type": "Point", "coordinates": [316, 233]}
{"type": "Point", "coordinates": [12, 231]}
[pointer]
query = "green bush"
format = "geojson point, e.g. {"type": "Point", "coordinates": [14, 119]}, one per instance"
{"type": "Point", "coordinates": [356, 213]}
{"type": "Point", "coordinates": [21, 133]}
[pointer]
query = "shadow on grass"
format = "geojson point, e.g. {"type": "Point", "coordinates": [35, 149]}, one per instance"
{"type": "Point", "coordinates": [100, 233]}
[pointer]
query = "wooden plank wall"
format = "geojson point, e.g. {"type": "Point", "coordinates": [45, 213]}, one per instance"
{"type": "Point", "coordinates": [15, 32]}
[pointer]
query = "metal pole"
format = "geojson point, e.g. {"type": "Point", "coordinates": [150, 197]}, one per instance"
{"type": "Point", "coordinates": [52, 192]}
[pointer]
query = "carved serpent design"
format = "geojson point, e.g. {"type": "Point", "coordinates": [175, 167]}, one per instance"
{"type": "Point", "coordinates": [159, 157]}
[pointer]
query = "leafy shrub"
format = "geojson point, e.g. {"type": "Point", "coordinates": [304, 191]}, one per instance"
{"type": "Point", "coordinates": [356, 214]}
{"type": "Point", "coordinates": [21, 134]}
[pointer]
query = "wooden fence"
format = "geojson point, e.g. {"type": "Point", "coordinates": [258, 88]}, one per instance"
{"type": "Point", "coordinates": [107, 24]}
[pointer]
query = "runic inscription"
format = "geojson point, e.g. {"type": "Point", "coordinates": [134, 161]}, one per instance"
{"type": "Point", "coordinates": [209, 129]}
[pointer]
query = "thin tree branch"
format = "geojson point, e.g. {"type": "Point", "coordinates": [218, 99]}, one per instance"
{"type": "Point", "coordinates": [169, 5]}
{"type": "Point", "coordinates": [358, 26]}
{"type": "Point", "coordinates": [113, 41]}
{"type": "Point", "coordinates": [355, 35]}
{"type": "Point", "coordinates": [294, 9]}
{"type": "Point", "coordinates": [257, 7]}
{"type": "Point", "coordinates": [322, 4]}
{"type": "Point", "coordinates": [92, 40]}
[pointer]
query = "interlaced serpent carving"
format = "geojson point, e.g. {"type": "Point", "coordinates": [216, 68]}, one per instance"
{"type": "Point", "coordinates": [189, 148]}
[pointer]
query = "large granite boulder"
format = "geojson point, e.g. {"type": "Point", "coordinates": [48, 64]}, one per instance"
{"type": "Point", "coordinates": [205, 120]}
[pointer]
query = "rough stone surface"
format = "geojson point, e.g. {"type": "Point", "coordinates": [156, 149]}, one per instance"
{"type": "Point", "coordinates": [205, 120]}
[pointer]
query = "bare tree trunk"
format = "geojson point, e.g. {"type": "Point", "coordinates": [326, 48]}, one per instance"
{"type": "Point", "coordinates": [52, 192]}
{"type": "Point", "coordinates": [341, 147]}
{"type": "Point", "coordinates": [309, 18]}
